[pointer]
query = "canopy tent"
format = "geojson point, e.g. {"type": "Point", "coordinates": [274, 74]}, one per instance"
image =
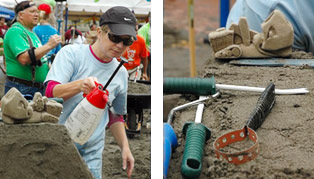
{"type": "Point", "coordinates": [9, 3]}
{"type": "Point", "coordinates": [138, 6]}
{"type": "Point", "coordinates": [84, 10]}
{"type": "Point", "coordinates": [6, 13]}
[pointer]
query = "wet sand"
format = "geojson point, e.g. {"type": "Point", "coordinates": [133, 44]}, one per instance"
{"type": "Point", "coordinates": [285, 138]}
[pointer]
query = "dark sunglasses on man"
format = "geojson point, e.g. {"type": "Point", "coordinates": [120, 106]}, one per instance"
{"type": "Point", "coordinates": [117, 39]}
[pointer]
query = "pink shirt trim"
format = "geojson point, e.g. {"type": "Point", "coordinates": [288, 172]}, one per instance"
{"type": "Point", "coordinates": [113, 118]}
{"type": "Point", "coordinates": [49, 90]}
{"type": "Point", "coordinates": [91, 50]}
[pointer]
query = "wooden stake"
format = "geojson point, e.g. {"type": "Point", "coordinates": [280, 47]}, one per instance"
{"type": "Point", "coordinates": [191, 38]}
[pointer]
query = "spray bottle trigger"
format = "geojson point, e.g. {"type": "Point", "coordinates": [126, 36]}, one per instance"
{"type": "Point", "coordinates": [98, 85]}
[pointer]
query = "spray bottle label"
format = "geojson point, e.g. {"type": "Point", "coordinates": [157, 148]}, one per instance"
{"type": "Point", "coordinates": [83, 121]}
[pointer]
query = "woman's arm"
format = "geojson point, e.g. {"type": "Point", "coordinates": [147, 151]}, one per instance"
{"type": "Point", "coordinates": [68, 90]}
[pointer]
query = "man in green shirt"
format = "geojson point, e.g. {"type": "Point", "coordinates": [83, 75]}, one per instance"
{"type": "Point", "coordinates": [26, 67]}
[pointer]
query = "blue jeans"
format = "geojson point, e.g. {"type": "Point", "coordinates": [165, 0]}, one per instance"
{"type": "Point", "coordinates": [27, 91]}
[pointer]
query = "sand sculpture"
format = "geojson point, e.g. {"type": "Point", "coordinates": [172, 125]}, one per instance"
{"type": "Point", "coordinates": [16, 109]}
{"type": "Point", "coordinates": [240, 42]}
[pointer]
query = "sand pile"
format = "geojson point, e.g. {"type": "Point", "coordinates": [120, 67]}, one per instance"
{"type": "Point", "coordinates": [138, 88]}
{"type": "Point", "coordinates": [285, 138]}
{"type": "Point", "coordinates": [39, 151]}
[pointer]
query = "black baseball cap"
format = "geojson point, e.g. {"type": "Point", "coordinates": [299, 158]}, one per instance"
{"type": "Point", "coordinates": [21, 7]}
{"type": "Point", "coordinates": [120, 20]}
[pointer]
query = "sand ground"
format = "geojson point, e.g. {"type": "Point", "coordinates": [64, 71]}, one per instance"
{"type": "Point", "coordinates": [285, 138]}
{"type": "Point", "coordinates": [140, 147]}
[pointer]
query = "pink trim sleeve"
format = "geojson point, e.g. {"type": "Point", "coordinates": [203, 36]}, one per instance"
{"type": "Point", "coordinates": [49, 90]}
{"type": "Point", "coordinates": [113, 118]}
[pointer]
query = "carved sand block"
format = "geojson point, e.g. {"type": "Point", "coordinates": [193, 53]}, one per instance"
{"type": "Point", "coordinates": [42, 117]}
{"type": "Point", "coordinates": [237, 33]}
{"type": "Point", "coordinates": [221, 39]}
{"type": "Point", "coordinates": [14, 105]}
{"type": "Point", "coordinates": [275, 40]}
{"type": "Point", "coordinates": [245, 31]}
{"type": "Point", "coordinates": [38, 103]}
{"type": "Point", "coordinates": [41, 109]}
{"type": "Point", "coordinates": [232, 51]}
{"type": "Point", "coordinates": [278, 32]}
{"type": "Point", "coordinates": [54, 108]}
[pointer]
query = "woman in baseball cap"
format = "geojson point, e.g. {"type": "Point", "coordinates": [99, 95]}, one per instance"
{"type": "Point", "coordinates": [75, 70]}
{"type": "Point", "coordinates": [120, 20]}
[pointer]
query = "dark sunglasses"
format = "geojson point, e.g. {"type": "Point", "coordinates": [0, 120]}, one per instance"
{"type": "Point", "coordinates": [117, 39]}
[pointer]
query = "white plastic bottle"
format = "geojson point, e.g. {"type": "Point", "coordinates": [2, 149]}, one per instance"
{"type": "Point", "coordinates": [85, 118]}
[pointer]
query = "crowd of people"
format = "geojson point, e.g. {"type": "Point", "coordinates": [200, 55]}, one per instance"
{"type": "Point", "coordinates": [37, 61]}
{"type": "Point", "coordinates": [138, 55]}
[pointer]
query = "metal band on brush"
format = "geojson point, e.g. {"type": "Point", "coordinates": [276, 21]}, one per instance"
{"type": "Point", "coordinates": [263, 107]}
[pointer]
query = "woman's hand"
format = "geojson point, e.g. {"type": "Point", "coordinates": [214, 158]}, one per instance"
{"type": "Point", "coordinates": [88, 84]}
{"type": "Point", "coordinates": [127, 161]}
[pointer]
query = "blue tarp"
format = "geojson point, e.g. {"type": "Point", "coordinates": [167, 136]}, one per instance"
{"type": "Point", "coordinates": [6, 13]}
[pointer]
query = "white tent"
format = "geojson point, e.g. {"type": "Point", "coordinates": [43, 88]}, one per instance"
{"type": "Point", "coordinates": [9, 3]}
{"type": "Point", "coordinates": [79, 10]}
{"type": "Point", "coordinates": [138, 6]}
